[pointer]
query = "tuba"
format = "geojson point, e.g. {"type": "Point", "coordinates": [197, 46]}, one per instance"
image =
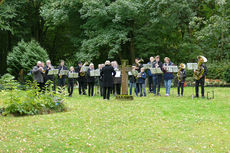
{"type": "Point", "coordinates": [179, 73]}
{"type": "Point", "coordinates": [198, 73]}
{"type": "Point", "coordinates": [82, 70]}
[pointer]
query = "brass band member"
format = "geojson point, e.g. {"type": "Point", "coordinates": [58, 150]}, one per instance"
{"type": "Point", "coordinates": [71, 82]}
{"type": "Point", "coordinates": [90, 80]}
{"type": "Point", "coordinates": [133, 80]}
{"type": "Point", "coordinates": [139, 65]}
{"type": "Point", "coordinates": [51, 78]}
{"type": "Point", "coordinates": [38, 75]}
{"type": "Point", "coordinates": [100, 66]}
{"type": "Point", "coordinates": [181, 75]}
{"type": "Point", "coordinates": [150, 76]}
{"type": "Point", "coordinates": [107, 74]}
{"type": "Point", "coordinates": [81, 79]}
{"type": "Point", "coordinates": [200, 74]}
{"type": "Point", "coordinates": [61, 78]}
{"type": "Point", "coordinates": [157, 77]}
{"type": "Point", "coordinates": [168, 76]}
{"type": "Point", "coordinates": [117, 80]}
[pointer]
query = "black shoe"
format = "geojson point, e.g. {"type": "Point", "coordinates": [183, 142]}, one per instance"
{"type": "Point", "coordinates": [158, 94]}
{"type": "Point", "coordinates": [70, 95]}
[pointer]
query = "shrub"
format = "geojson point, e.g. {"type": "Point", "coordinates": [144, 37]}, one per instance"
{"type": "Point", "coordinates": [31, 102]}
{"type": "Point", "coordinates": [227, 75]}
{"type": "Point", "coordinates": [24, 56]}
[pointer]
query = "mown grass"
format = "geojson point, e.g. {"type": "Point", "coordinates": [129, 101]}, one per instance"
{"type": "Point", "coordinates": [148, 124]}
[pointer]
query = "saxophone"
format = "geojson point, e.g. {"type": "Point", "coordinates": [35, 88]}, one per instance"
{"type": "Point", "coordinates": [198, 73]}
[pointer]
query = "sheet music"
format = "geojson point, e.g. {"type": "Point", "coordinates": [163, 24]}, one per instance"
{"type": "Point", "coordinates": [192, 66]}
{"type": "Point", "coordinates": [118, 74]}
{"type": "Point", "coordinates": [64, 72]}
{"type": "Point", "coordinates": [73, 75]}
{"type": "Point", "coordinates": [147, 66]}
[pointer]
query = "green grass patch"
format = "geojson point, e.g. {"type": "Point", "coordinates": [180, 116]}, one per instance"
{"type": "Point", "coordinates": [146, 124]}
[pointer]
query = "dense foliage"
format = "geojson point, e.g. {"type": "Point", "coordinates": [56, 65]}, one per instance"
{"type": "Point", "coordinates": [30, 101]}
{"type": "Point", "coordinates": [24, 56]}
{"type": "Point", "coordinates": [96, 30]}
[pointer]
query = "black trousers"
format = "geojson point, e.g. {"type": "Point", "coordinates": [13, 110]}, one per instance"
{"type": "Point", "coordinates": [180, 88]}
{"type": "Point", "coordinates": [90, 88]}
{"type": "Point", "coordinates": [70, 88]}
{"type": "Point", "coordinates": [117, 89]}
{"type": "Point", "coordinates": [150, 79]}
{"type": "Point", "coordinates": [106, 92]}
{"type": "Point", "coordinates": [81, 87]}
{"type": "Point", "coordinates": [61, 81]}
{"type": "Point", "coordinates": [200, 83]}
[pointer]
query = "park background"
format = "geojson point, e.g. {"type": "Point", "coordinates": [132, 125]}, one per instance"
{"type": "Point", "coordinates": [96, 30]}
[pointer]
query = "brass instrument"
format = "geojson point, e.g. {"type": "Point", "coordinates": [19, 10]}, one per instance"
{"type": "Point", "coordinates": [179, 73]}
{"type": "Point", "coordinates": [139, 62]}
{"type": "Point", "coordinates": [82, 72]}
{"type": "Point", "coordinates": [198, 73]}
{"type": "Point", "coordinates": [134, 73]}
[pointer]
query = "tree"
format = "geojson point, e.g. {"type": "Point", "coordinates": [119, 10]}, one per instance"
{"type": "Point", "coordinates": [24, 56]}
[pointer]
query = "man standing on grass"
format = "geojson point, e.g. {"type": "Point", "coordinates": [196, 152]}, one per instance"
{"type": "Point", "coordinates": [38, 73]}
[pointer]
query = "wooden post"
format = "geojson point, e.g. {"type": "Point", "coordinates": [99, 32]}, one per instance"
{"type": "Point", "coordinates": [124, 82]}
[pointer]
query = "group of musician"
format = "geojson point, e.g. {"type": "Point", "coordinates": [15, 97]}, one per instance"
{"type": "Point", "coordinates": [109, 79]}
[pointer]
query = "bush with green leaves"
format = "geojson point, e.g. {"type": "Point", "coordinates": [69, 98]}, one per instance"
{"type": "Point", "coordinates": [32, 102]}
{"type": "Point", "coordinates": [24, 56]}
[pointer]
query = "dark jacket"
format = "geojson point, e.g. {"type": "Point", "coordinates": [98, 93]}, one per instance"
{"type": "Point", "coordinates": [80, 78]}
{"type": "Point", "coordinates": [168, 75]}
{"type": "Point", "coordinates": [48, 77]}
{"type": "Point", "coordinates": [160, 66]}
{"type": "Point", "coordinates": [183, 73]}
{"type": "Point", "coordinates": [71, 80]}
{"type": "Point", "coordinates": [205, 70]}
{"type": "Point", "coordinates": [132, 79]}
{"type": "Point", "coordinates": [107, 74]}
{"type": "Point", "coordinates": [89, 78]}
{"type": "Point", "coordinates": [141, 80]}
{"type": "Point", "coordinates": [148, 70]}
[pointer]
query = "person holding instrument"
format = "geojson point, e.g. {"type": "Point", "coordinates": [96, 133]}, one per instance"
{"type": "Point", "coordinates": [50, 78]}
{"type": "Point", "coordinates": [90, 80]}
{"type": "Point", "coordinates": [81, 78]}
{"type": "Point", "coordinates": [150, 76]}
{"type": "Point", "coordinates": [61, 78]}
{"type": "Point", "coordinates": [199, 75]}
{"type": "Point", "coordinates": [38, 75]}
{"type": "Point", "coordinates": [71, 82]}
{"type": "Point", "coordinates": [168, 76]}
{"type": "Point", "coordinates": [181, 75]}
{"type": "Point", "coordinates": [157, 77]}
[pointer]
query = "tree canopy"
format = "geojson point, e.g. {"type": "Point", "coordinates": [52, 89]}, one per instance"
{"type": "Point", "coordinates": [96, 30]}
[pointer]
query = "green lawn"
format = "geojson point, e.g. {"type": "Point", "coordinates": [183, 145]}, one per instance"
{"type": "Point", "coordinates": [149, 124]}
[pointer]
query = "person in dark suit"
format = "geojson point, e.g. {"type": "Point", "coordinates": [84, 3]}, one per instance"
{"type": "Point", "coordinates": [107, 73]}
{"type": "Point", "coordinates": [157, 77]}
{"type": "Point", "coordinates": [81, 80]}
{"type": "Point", "coordinates": [100, 66]}
{"type": "Point", "coordinates": [90, 80]}
{"type": "Point", "coordinates": [48, 78]}
{"type": "Point", "coordinates": [71, 82]}
{"type": "Point", "coordinates": [38, 75]}
{"type": "Point", "coordinates": [61, 78]}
